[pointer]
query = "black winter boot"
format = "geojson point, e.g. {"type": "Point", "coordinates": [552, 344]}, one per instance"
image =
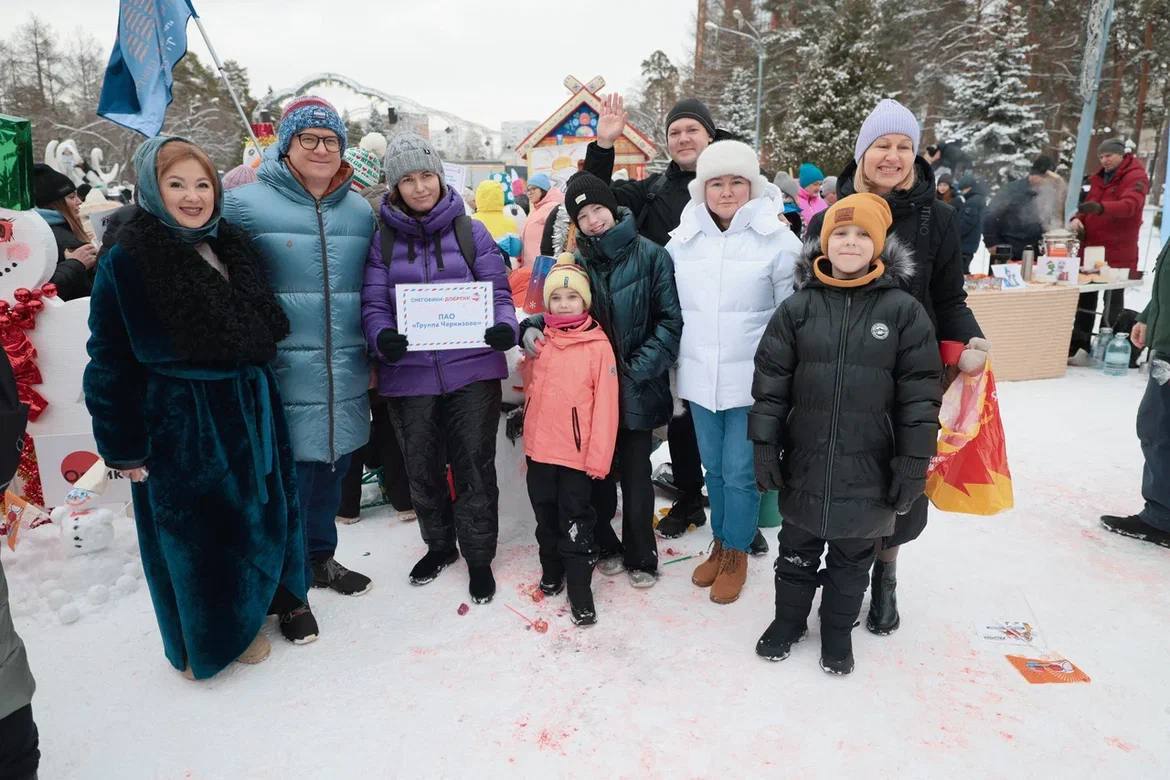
{"type": "Point", "coordinates": [427, 569]}
{"type": "Point", "coordinates": [759, 544]}
{"type": "Point", "coordinates": [483, 584]}
{"type": "Point", "coordinates": [838, 617]}
{"type": "Point", "coordinates": [686, 513]}
{"type": "Point", "coordinates": [793, 605]}
{"type": "Point", "coordinates": [579, 576]}
{"type": "Point", "coordinates": [883, 616]}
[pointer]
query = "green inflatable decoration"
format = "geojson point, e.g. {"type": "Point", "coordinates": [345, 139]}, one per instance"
{"type": "Point", "coordinates": [16, 163]}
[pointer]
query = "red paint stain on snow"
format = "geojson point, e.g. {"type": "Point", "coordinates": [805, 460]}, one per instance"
{"type": "Point", "coordinates": [1120, 744]}
{"type": "Point", "coordinates": [549, 741]}
{"type": "Point", "coordinates": [423, 651]}
{"type": "Point", "coordinates": [1007, 736]}
{"type": "Point", "coordinates": [1085, 532]}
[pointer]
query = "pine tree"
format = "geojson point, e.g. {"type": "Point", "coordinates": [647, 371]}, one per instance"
{"type": "Point", "coordinates": [845, 77]}
{"type": "Point", "coordinates": [737, 106]}
{"type": "Point", "coordinates": [991, 110]}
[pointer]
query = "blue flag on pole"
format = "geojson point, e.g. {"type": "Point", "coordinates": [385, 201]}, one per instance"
{"type": "Point", "coordinates": [152, 37]}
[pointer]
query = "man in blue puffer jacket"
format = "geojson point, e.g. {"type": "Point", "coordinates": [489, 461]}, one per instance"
{"type": "Point", "coordinates": [313, 234]}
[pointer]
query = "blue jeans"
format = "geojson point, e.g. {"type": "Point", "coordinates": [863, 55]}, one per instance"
{"type": "Point", "coordinates": [1153, 429]}
{"type": "Point", "coordinates": [731, 478]}
{"type": "Point", "coordinates": [319, 490]}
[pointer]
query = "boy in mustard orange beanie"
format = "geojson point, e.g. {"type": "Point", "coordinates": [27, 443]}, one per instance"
{"type": "Point", "coordinates": [849, 359]}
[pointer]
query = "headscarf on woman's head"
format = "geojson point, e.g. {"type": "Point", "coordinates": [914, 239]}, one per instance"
{"type": "Point", "coordinates": [150, 199]}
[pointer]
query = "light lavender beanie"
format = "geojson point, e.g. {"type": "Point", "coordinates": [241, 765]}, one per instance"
{"type": "Point", "coordinates": [889, 116]}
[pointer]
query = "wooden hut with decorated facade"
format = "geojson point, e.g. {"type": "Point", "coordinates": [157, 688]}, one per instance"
{"type": "Point", "coordinates": [557, 145]}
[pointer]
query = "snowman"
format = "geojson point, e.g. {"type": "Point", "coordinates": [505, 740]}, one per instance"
{"type": "Point", "coordinates": [84, 529]}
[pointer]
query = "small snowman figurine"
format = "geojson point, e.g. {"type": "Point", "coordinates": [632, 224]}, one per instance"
{"type": "Point", "coordinates": [84, 529]}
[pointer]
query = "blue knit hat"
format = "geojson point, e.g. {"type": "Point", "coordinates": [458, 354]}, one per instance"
{"type": "Point", "coordinates": [540, 180]}
{"type": "Point", "coordinates": [810, 174]}
{"type": "Point", "coordinates": [306, 112]}
{"type": "Point", "coordinates": [889, 116]}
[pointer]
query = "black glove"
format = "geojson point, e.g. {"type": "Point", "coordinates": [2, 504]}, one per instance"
{"type": "Point", "coordinates": [391, 344]}
{"type": "Point", "coordinates": [767, 463]}
{"type": "Point", "coordinates": [500, 337]}
{"type": "Point", "coordinates": [1090, 207]}
{"type": "Point", "coordinates": [908, 482]}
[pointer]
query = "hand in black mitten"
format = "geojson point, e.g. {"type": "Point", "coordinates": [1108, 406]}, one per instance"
{"type": "Point", "coordinates": [767, 464]}
{"type": "Point", "coordinates": [908, 482]}
{"type": "Point", "coordinates": [500, 337]}
{"type": "Point", "coordinates": [391, 344]}
{"type": "Point", "coordinates": [1090, 207]}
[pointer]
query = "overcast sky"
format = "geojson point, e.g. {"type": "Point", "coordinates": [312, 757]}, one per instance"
{"type": "Point", "coordinates": [485, 61]}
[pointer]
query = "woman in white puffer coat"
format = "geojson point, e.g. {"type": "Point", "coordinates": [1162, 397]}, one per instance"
{"type": "Point", "coordinates": [733, 264]}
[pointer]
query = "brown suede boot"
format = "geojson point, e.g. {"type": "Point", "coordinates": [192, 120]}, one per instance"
{"type": "Point", "coordinates": [732, 574]}
{"type": "Point", "coordinates": [706, 571]}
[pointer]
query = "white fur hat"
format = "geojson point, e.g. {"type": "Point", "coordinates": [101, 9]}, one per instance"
{"type": "Point", "coordinates": [727, 158]}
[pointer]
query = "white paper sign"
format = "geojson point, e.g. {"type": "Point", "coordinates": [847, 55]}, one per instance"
{"type": "Point", "coordinates": [1010, 273]}
{"type": "Point", "coordinates": [444, 316]}
{"type": "Point", "coordinates": [455, 175]}
{"type": "Point", "coordinates": [63, 458]}
{"type": "Point", "coordinates": [98, 222]}
{"type": "Point", "coordinates": [1010, 632]}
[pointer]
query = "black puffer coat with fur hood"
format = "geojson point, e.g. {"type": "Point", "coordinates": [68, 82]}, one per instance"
{"type": "Point", "coordinates": [847, 379]}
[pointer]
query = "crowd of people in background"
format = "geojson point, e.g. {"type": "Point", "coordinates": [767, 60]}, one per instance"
{"type": "Point", "coordinates": [248, 362]}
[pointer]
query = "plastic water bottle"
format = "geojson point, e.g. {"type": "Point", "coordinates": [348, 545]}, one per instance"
{"type": "Point", "coordinates": [1117, 355]}
{"type": "Point", "coordinates": [1104, 336]}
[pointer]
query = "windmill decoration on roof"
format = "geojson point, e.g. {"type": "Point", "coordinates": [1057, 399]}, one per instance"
{"type": "Point", "coordinates": [557, 145]}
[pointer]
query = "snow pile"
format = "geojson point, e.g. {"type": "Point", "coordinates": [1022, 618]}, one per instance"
{"type": "Point", "coordinates": [50, 582]}
{"type": "Point", "coordinates": [403, 683]}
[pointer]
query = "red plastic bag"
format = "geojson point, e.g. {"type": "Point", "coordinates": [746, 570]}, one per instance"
{"type": "Point", "coordinates": [970, 473]}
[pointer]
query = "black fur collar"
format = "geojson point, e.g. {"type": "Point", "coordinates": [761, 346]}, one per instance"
{"type": "Point", "coordinates": [209, 319]}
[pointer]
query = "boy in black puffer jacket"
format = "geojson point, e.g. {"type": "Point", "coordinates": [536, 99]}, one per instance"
{"type": "Point", "coordinates": [635, 302]}
{"type": "Point", "coordinates": [845, 420]}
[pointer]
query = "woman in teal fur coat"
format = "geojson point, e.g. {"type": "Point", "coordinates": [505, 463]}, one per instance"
{"type": "Point", "coordinates": [183, 325]}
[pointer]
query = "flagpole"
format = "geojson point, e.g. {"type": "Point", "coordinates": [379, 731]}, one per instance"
{"type": "Point", "coordinates": [227, 83]}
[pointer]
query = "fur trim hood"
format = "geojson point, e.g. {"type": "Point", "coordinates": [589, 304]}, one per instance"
{"type": "Point", "coordinates": [898, 257]}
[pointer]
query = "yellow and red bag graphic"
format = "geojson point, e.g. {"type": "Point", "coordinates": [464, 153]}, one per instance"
{"type": "Point", "coordinates": [970, 475]}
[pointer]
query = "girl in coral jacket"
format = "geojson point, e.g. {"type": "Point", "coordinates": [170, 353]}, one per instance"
{"type": "Point", "coordinates": [570, 429]}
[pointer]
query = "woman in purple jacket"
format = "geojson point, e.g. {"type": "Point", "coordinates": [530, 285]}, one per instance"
{"type": "Point", "coordinates": [444, 405]}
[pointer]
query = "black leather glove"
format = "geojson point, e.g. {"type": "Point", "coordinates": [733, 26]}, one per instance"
{"type": "Point", "coordinates": [500, 337]}
{"type": "Point", "coordinates": [767, 463]}
{"type": "Point", "coordinates": [1090, 207]}
{"type": "Point", "coordinates": [908, 482]}
{"type": "Point", "coordinates": [391, 344]}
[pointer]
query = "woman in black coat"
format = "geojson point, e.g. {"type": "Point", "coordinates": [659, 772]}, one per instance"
{"type": "Point", "coordinates": [886, 163]}
{"type": "Point", "coordinates": [58, 203]}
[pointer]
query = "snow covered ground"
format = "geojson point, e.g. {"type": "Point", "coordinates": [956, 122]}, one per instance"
{"type": "Point", "coordinates": [667, 684]}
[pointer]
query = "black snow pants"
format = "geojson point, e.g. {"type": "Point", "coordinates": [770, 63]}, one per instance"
{"type": "Point", "coordinates": [460, 427]}
{"type": "Point", "coordinates": [638, 546]}
{"type": "Point", "coordinates": [382, 451]}
{"type": "Point", "coordinates": [562, 502]}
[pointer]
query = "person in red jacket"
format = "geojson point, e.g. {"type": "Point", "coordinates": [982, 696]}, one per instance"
{"type": "Point", "coordinates": [1110, 216]}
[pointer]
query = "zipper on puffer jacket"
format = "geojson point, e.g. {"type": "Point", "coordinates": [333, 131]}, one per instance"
{"type": "Point", "coordinates": [328, 335]}
{"type": "Point", "coordinates": [834, 420]}
{"type": "Point", "coordinates": [576, 429]}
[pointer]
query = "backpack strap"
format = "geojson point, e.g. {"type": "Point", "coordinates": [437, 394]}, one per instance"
{"type": "Point", "coordinates": [656, 188]}
{"type": "Point", "coordinates": [466, 240]}
{"type": "Point", "coordinates": [389, 236]}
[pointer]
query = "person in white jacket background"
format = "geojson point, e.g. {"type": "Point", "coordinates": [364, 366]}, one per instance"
{"type": "Point", "coordinates": [733, 264]}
